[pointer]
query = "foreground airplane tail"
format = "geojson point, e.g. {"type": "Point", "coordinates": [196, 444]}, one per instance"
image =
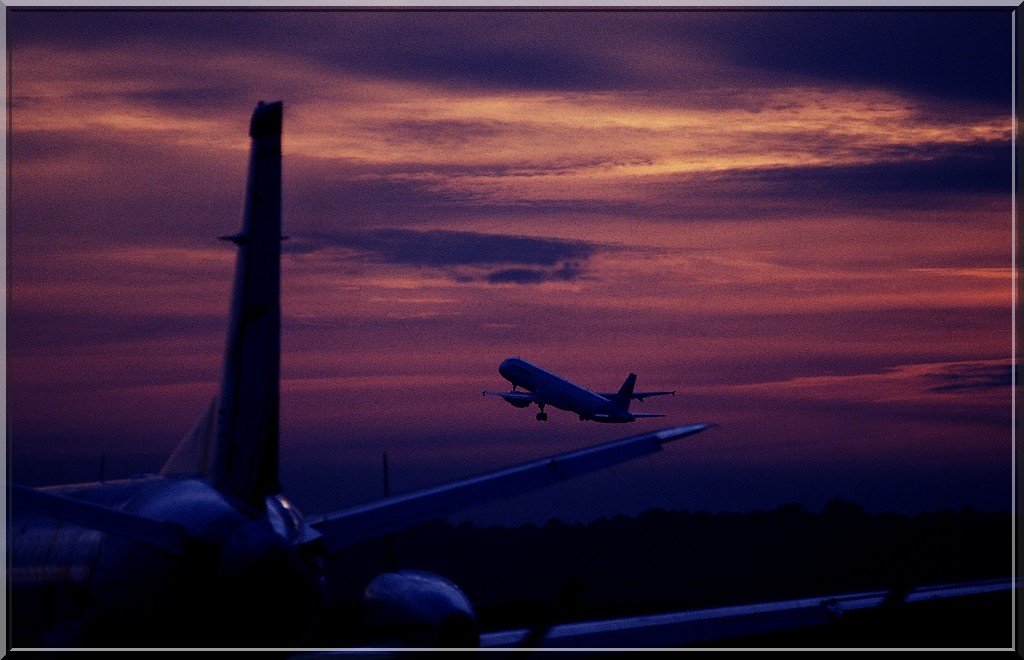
{"type": "Point", "coordinates": [234, 445]}
{"type": "Point", "coordinates": [245, 463]}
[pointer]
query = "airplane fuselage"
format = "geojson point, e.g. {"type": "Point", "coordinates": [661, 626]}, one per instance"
{"type": "Point", "coordinates": [561, 393]}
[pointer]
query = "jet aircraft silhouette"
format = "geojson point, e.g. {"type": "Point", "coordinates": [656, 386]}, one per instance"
{"type": "Point", "coordinates": [547, 389]}
{"type": "Point", "coordinates": [209, 551]}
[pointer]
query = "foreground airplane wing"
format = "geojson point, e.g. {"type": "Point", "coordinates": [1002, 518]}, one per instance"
{"type": "Point", "coordinates": [364, 521]}
{"type": "Point", "coordinates": [696, 627]}
{"type": "Point", "coordinates": [721, 627]}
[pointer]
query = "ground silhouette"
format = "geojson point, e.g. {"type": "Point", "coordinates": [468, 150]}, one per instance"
{"type": "Point", "coordinates": [660, 560]}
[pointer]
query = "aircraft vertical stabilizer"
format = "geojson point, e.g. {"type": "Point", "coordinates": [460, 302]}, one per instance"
{"type": "Point", "coordinates": [245, 460]}
{"type": "Point", "coordinates": [625, 394]}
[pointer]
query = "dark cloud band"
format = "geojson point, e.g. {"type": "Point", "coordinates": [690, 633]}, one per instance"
{"type": "Point", "coordinates": [961, 377]}
{"type": "Point", "coordinates": [439, 248]}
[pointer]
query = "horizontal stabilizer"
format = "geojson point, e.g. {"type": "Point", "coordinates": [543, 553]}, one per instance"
{"type": "Point", "coordinates": [639, 396]}
{"type": "Point", "coordinates": [366, 521]}
{"type": "Point", "coordinates": [94, 516]}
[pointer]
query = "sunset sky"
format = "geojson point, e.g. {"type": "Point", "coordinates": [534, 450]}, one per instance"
{"type": "Point", "coordinates": [801, 221]}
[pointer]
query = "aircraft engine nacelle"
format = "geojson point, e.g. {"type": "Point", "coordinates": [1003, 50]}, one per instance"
{"type": "Point", "coordinates": [518, 403]}
{"type": "Point", "coordinates": [419, 610]}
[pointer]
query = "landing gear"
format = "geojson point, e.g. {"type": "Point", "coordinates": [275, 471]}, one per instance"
{"type": "Point", "coordinates": [542, 417]}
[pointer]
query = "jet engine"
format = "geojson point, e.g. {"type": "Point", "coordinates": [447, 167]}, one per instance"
{"type": "Point", "coordinates": [518, 403]}
{"type": "Point", "coordinates": [418, 609]}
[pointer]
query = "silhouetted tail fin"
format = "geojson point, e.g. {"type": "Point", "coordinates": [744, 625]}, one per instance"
{"type": "Point", "coordinates": [245, 460]}
{"type": "Point", "coordinates": [625, 394]}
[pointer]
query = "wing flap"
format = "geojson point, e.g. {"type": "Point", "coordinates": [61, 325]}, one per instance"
{"type": "Point", "coordinates": [365, 521]}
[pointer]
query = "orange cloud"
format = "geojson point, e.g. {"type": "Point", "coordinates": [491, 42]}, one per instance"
{"type": "Point", "coordinates": [492, 145]}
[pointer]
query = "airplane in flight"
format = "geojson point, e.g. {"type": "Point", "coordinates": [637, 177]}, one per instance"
{"type": "Point", "coordinates": [209, 552]}
{"type": "Point", "coordinates": [547, 389]}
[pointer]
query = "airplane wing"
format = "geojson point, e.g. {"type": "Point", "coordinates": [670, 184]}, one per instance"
{"type": "Point", "coordinates": [364, 521]}
{"type": "Point", "coordinates": [714, 625]}
{"type": "Point", "coordinates": [640, 396]}
{"type": "Point", "coordinates": [525, 397]}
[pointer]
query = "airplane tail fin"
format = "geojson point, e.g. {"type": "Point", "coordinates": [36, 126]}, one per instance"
{"type": "Point", "coordinates": [625, 394]}
{"type": "Point", "coordinates": [245, 456]}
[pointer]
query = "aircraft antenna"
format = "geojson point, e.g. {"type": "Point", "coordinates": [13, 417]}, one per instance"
{"type": "Point", "coordinates": [390, 555]}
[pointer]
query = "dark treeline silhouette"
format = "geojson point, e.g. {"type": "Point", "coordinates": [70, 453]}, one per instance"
{"type": "Point", "coordinates": [670, 560]}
